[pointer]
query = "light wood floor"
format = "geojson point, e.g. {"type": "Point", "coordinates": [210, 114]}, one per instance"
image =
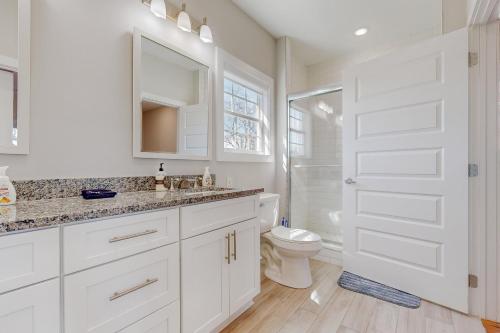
{"type": "Point", "coordinates": [325, 307]}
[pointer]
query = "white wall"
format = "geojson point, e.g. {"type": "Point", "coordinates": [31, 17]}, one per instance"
{"type": "Point", "coordinates": [81, 86]}
{"type": "Point", "coordinates": [8, 28]}
{"type": "Point", "coordinates": [454, 14]}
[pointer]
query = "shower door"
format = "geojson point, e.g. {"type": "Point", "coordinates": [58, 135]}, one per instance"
{"type": "Point", "coordinates": [315, 159]}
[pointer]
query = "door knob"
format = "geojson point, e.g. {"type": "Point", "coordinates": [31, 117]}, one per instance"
{"type": "Point", "coordinates": [349, 181]}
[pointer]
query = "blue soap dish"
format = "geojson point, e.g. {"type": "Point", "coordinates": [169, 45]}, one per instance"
{"type": "Point", "coordinates": [97, 194]}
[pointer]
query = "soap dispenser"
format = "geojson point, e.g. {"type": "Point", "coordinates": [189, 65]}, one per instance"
{"type": "Point", "coordinates": [7, 190]}
{"type": "Point", "coordinates": [207, 178]}
{"type": "Point", "coordinates": [160, 179]}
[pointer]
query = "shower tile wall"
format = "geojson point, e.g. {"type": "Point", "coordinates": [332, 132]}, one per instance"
{"type": "Point", "coordinates": [316, 180]}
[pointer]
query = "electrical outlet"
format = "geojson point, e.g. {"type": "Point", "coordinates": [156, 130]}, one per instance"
{"type": "Point", "coordinates": [229, 182]}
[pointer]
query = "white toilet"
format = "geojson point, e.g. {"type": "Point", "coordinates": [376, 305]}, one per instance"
{"type": "Point", "coordinates": [285, 251]}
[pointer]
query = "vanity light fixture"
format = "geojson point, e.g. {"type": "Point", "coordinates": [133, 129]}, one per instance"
{"type": "Point", "coordinates": [360, 32]}
{"type": "Point", "coordinates": [159, 9]}
{"type": "Point", "coordinates": [183, 20]}
{"type": "Point", "coordinates": [206, 32]}
{"type": "Point", "coordinates": [170, 11]}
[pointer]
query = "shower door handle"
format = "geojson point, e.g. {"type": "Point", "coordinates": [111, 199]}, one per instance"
{"type": "Point", "coordinates": [349, 181]}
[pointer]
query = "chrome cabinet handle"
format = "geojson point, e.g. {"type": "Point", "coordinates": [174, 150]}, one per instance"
{"type": "Point", "coordinates": [234, 245]}
{"type": "Point", "coordinates": [349, 181]}
{"type": "Point", "coordinates": [139, 234]}
{"type": "Point", "coordinates": [119, 294]}
{"type": "Point", "coordinates": [228, 257]}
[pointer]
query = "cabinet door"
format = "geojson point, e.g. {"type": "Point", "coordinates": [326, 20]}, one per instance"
{"type": "Point", "coordinates": [28, 258]}
{"type": "Point", "coordinates": [33, 309]}
{"type": "Point", "coordinates": [244, 271]}
{"type": "Point", "coordinates": [204, 281]}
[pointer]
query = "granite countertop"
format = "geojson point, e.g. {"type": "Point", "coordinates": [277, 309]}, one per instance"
{"type": "Point", "coordinates": [32, 214]}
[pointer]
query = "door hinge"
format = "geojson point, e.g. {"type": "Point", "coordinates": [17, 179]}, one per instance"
{"type": "Point", "coordinates": [473, 59]}
{"type": "Point", "coordinates": [472, 281]}
{"type": "Point", "coordinates": [473, 170]}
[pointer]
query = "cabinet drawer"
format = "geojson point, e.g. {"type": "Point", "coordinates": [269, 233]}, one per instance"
{"type": "Point", "coordinates": [109, 298]}
{"type": "Point", "coordinates": [32, 309]}
{"type": "Point", "coordinates": [28, 258]}
{"type": "Point", "coordinates": [166, 320]}
{"type": "Point", "coordinates": [203, 218]}
{"type": "Point", "coordinates": [91, 244]}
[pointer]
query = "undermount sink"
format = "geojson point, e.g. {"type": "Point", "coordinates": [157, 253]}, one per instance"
{"type": "Point", "coordinates": [201, 193]}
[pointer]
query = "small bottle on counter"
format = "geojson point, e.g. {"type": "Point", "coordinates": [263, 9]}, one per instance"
{"type": "Point", "coordinates": [207, 178]}
{"type": "Point", "coordinates": [7, 190]}
{"type": "Point", "coordinates": [160, 179]}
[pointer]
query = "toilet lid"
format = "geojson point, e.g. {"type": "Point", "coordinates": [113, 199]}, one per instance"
{"type": "Point", "coordinates": [295, 235]}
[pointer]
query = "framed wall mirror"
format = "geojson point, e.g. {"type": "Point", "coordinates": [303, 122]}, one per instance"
{"type": "Point", "coordinates": [171, 102]}
{"type": "Point", "coordinates": [15, 19]}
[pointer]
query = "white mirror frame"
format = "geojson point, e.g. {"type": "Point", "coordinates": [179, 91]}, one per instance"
{"type": "Point", "coordinates": [137, 109]}
{"type": "Point", "coordinates": [22, 67]}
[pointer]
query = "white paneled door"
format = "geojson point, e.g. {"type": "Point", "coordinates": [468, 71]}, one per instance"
{"type": "Point", "coordinates": [405, 169]}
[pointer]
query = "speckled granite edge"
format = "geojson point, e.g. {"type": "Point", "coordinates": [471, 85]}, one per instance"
{"type": "Point", "coordinates": [72, 187]}
{"type": "Point", "coordinates": [36, 214]}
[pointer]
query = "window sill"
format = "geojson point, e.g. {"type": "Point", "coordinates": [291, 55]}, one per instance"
{"type": "Point", "coordinates": [226, 156]}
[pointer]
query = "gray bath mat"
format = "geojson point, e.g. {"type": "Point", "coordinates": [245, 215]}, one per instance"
{"type": "Point", "coordinates": [361, 285]}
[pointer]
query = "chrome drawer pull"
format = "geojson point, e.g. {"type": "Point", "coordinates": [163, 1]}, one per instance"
{"type": "Point", "coordinates": [119, 294]}
{"type": "Point", "coordinates": [139, 234]}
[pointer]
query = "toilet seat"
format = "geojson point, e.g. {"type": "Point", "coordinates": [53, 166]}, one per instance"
{"type": "Point", "coordinates": [295, 235]}
{"type": "Point", "coordinates": [294, 239]}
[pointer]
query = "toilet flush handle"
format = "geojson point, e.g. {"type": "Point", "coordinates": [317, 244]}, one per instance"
{"type": "Point", "coordinates": [349, 181]}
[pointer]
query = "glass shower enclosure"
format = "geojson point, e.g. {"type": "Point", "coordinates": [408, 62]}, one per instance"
{"type": "Point", "coordinates": [315, 161]}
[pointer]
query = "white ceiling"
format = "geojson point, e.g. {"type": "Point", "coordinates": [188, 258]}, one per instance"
{"type": "Point", "coordinates": [324, 29]}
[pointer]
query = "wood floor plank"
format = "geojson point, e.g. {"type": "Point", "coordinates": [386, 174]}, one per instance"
{"type": "Point", "coordinates": [411, 320]}
{"type": "Point", "coordinates": [360, 312]}
{"type": "Point", "coordinates": [344, 329]}
{"type": "Point", "coordinates": [330, 319]}
{"type": "Point", "coordinates": [436, 312]}
{"type": "Point", "coordinates": [320, 296]}
{"type": "Point", "coordinates": [384, 318]}
{"type": "Point", "coordinates": [299, 322]}
{"type": "Point", "coordinates": [436, 326]}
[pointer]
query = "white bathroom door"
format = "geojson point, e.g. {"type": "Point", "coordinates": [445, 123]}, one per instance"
{"type": "Point", "coordinates": [405, 168]}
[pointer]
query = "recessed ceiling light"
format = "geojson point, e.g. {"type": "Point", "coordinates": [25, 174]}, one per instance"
{"type": "Point", "coordinates": [361, 32]}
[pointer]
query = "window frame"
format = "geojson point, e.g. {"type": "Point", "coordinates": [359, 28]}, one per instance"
{"type": "Point", "coordinates": [306, 131]}
{"type": "Point", "coordinates": [246, 75]}
{"type": "Point", "coordinates": [302, 132]}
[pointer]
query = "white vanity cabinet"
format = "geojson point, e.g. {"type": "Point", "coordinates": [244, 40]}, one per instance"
{"type": "Point", "coordinates": [220, 269]}
{"type": "Point", "coordinates": [189, 269]}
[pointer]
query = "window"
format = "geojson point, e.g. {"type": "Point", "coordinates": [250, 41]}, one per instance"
{"type": "Point", "coordinates": [297, 133]}
{"type": "Point", "coordinates": [244, 115]}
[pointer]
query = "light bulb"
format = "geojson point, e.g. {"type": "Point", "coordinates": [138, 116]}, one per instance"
{"type": "Point", "coordinates": [183, 20]}
{"type": "Point", "coordinates": [158, 8]}
{"type": "Point", "coordinates": [206, 32]}
{"type": "Point", "coordinates": [361, 32]}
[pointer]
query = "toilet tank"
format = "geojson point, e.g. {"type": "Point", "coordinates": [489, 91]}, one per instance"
{"type": "Point", "coordinates": [269, 210]}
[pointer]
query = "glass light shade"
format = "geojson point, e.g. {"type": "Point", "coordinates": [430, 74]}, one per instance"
{"type": "Point", "coordinates": [184, 22]}
{"type": "Point", "coordinates": [206, 34]}
{"type": "Point", "coordinates": [158, 8]}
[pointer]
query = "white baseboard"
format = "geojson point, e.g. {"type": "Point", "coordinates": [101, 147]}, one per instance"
{"type": "Point", "coordinates": [331, 254]}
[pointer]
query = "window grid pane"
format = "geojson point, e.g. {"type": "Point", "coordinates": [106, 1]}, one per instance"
{"type": "Point", "coordinates": [241, 133]}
